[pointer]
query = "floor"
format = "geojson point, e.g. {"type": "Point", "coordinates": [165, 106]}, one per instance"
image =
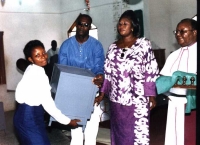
{"type": "Point", "coordinates": [61, 136]}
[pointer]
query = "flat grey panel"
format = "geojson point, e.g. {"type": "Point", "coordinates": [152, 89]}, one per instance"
{"type": "Point", "coordinates": [75, 91]}
{"type": "Point", "coordinates": [75, 70]}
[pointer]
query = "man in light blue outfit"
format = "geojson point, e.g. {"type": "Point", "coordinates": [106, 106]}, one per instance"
{"type": "Point", "coordinates": [84, 51]}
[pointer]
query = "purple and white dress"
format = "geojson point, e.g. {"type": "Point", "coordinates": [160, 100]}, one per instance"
{"type": "Point", "coordinates": [129, 81]}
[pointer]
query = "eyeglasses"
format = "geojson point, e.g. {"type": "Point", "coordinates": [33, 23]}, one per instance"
{"type": "Point", "coordinates": [123, 52]}
{"type": "Point", "coordinates": [83, 24]}
{"type": "Point", "coordinates": [182, 32]}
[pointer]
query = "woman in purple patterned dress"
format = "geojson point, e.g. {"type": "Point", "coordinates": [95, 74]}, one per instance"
{"type": "Point", "coordinates": [130, 74]}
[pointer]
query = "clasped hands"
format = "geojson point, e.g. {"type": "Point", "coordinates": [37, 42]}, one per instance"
{"type": "Point", "coordinates": [98, 80]}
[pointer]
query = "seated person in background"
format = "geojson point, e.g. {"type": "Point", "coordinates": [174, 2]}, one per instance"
{"type": "Point", "coordinates": [33, 96]}
{"type": "Point", "coordinates": [184, 59]}
{"type": "Point", "coordinates": [52, 58]}
{"type": "Point", "coordinates": [53, 51]}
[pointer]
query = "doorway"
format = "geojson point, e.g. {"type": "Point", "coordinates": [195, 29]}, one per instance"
{"type": "Point", "coordinates": [2, 61]}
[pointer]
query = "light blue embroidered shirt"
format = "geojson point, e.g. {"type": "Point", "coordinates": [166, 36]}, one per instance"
{"type": "Point", "coordinates": [88, 55]}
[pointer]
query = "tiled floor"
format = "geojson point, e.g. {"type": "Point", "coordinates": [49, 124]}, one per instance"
{"type": "Point", "coordinates": [56, 136]}
{"type": "Point", "coordinates": [59, 137]}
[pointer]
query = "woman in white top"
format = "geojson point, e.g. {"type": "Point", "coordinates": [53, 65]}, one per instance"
{"type": "Point", "coordinates": [33, 96]}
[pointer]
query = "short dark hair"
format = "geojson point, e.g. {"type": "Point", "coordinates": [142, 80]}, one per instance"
{"type": "Point", "coordinates": [53, 42]}
{"type": "Point", "coordinates": [192, 22]}
{"type": "Point", "coordinates": [22, 64]}
{"type": "Point", "coordinates": [30, 46]}
{"type": "Point", "coordinates": [84, 15]}
{"type": "Point", "coordinates": [130, 14]}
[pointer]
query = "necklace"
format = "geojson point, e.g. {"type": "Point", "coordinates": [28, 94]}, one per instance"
{"type": "Point", "coordinates": [123, 52]}
{"type": "Point", "coordinates": [126, 45]}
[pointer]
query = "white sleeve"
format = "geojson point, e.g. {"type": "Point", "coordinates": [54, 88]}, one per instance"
{"type": "Point", "coordinates": [48, 102]}
{"type": "Point", "coordinates": [49, 105]}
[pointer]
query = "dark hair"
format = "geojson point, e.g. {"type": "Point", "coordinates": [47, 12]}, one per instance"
{"type": "Point", "coordinates": [130, 14]}
{"type": "Point", "coordinates": [22, 64]}
{"type": "Point", "coordinates": [84, 15]}
{"type": "Point", "coordinates": [30, 46]}
{"type": "Point", "coordinates": [192, 22]}
{"type": "Point", "coordinates": [53, 42]}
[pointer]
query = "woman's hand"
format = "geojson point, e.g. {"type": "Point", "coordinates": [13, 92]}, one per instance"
{"type": "Point", "coordinates": [98, 80]}
{"type": "Point", "coordinates": [152, 101]}
{"type": "Point", "coordinates": [99, 98]}
{"type": "Point", "coordinates": [74, 122]}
